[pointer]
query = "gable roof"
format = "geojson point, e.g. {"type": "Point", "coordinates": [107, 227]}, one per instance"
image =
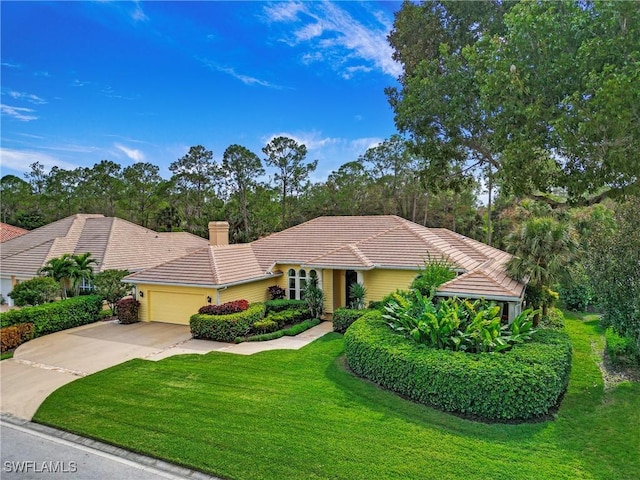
{"type": "Point", "coordinates": [344, 242]}
{"type": "Point", "coordinates": [114, 243]}
{"type": "Point", "coordinates": [7, 232]}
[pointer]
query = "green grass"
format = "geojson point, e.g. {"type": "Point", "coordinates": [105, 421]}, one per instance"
{"type": "Point", "coordinates": [5, 355]}
{"type": "Point", "coordinates": [300, 415]}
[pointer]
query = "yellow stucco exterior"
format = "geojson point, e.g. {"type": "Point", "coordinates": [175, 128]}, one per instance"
{"type": "Point", "coordinates": [176, 304]}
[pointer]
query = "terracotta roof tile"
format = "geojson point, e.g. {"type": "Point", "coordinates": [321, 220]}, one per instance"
{"type": "Point", "coordinates": [113, 242]}
{"type": "Point", "coordinates": [7, 232]}
{"type": "Point", "coordinates": [358, 243]}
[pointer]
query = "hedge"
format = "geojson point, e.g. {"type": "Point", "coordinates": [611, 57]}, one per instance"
{"type": "Point", "coordinates": [521, 384]}
{"type": "Point", "coordinates": [235, 306]}
{"type": "Point", "coordinates": [53, 317]}
{"type": "Point", "coordinates": [284, 304]}
{"type": "Point", "coordinates": [622, 351]}
{"type": "Point", "coordinates": [344, 317]}
{"type": "Point", "coordinates": [288, 316]}
{"type": "Point", "coordinates": [128, 309]}
{"type": "Point", "coordinates": [225, 328]}
{"type": "Point", "coordinates": [15, 335]}
{"type": "Point", "coordinates": [289, 332]}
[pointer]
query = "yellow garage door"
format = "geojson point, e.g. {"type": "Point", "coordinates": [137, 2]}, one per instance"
{"type": "Point", "coordinates": [174, 307]}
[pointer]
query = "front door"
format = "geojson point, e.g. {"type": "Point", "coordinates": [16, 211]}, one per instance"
{"type": "Point", "coordinates": [351, 277]}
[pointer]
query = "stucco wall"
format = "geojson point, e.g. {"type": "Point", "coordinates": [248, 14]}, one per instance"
{"type": "Point", "coordinates": [380, 282]}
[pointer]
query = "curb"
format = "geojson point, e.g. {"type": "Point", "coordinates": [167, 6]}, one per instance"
{"type": "Point", "coordinates": [148, 462]}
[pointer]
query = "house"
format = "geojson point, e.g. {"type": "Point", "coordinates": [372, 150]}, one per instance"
{"type": "Point", "coordinates": [383, 253]}
{"type": "Point", "coordinates": [7, 232]}
{"type": "Point", "coordinates": [114, 243]}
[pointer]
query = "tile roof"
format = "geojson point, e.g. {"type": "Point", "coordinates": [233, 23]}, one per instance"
{"type": "Point", "coordinates": [113, 242]}
{"type": "Point", "coordinates": [347, 242]}
{"type": "Point", "coordinates": [7, 232]}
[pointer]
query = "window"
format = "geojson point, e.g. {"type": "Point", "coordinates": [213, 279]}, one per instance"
{"type": "Point", "coordinates": [298, 281]}
{"type": "Point", "coordinates": [85, 286]}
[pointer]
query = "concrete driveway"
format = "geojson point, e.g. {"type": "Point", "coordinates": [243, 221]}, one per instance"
{"type": "Point", "coordinates": [43, 365]}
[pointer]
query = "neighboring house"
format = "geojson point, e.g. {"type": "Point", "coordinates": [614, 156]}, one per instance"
{"type": "Point", "coordinates": [384, 253]}
{"type": "Point", "coordinates": [7, 232]}
{"type": "Point", "coordinates": [113, 242]}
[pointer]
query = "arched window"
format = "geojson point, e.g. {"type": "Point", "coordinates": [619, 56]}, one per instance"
{"type": "Point", "coordinates": [298, 281]}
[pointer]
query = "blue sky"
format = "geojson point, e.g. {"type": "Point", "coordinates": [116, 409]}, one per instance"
{"type": "Point", "coordinates": [144, 81]}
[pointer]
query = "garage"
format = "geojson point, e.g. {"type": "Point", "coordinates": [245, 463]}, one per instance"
{"type": "Point", "coordinates": [172, 307]}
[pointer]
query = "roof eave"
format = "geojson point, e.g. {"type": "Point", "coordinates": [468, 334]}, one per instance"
{"type": "Point", "coordinates": [498, 298]}
{"type": "Point", "coordinates": [214, 286]}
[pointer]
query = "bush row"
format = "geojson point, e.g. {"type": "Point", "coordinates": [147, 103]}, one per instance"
{"type": "Point", "coordinates": [344, 317]}
{"type": "Point", "coordinates": [15, 335]}
{"type": "Point", "coordinates": [53, 317]}
{"type": "Point", "coordinates": [235, 306]}
{"type": "Point", "coordinates": [284, 304]}
{"type": "Point", "coordinates": [290, 332]}
{"type": "Point", "coordinates": [520, 384]}
{"type": "Point", "coordinates": [225, 328]}
{"type": "Point", "coordinates": [622, 351]}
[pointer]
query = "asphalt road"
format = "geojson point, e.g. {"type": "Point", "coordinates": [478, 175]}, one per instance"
{"type": "Point", "coordinates": [34, 455]}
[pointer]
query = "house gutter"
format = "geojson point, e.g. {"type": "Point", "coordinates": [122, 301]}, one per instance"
{"type": "Point", "coordinates": [498, 298]}
{"type": "Point", "coordinates": [202, 285]}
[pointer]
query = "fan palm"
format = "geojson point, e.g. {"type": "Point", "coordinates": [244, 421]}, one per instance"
{"type": "Point", "coordinates": [543, 248]}
{"type": "Point", "coordinates": [60, 269]}
{"type": "Point", "coordinates": [82, 269]}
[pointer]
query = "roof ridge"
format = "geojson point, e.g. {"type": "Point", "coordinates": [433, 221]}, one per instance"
{"type": "Point", "coordinates": [213, 264]}
{"type": "Point", "coordinates": [111, 233]}
{"type": "Point", "coordinates": [358, 253]}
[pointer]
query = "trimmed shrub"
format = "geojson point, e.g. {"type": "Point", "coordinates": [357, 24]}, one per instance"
{"type": "Point", "coordinates": [15, 335]}
{"type": "Point", "coordinates": [276, 292]}
{"type": "Point", "coordinates": [236, 306]}
{"type": "Point", "coordinates": [265, 326]}
{"type": "Point", "coordinates": [56, 316]}
{"type": "Point", "coordinates": [128, 309]}
{"type": "Point", "coordinates": [37, 291]}
{"type": "Point", "coordinates": [290, 332]}
{"type": "Point", "coordinates": [344, 317]}
{"type": "Point", "coordinates": [622, 351]}
{"type": "Point", "coordinates": [225, 328]}
{"type": "Point", "coordinates": [521, 384]}
{"type": "Point", "coordinates": [288, 316]}
{"type": "Point", "coordinates": [553, 319]}
{"type": "Point", "coordinates": [284, 304]}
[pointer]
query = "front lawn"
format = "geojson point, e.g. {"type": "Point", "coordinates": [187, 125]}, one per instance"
{"type": "Point", "coordinates": [299, 414]}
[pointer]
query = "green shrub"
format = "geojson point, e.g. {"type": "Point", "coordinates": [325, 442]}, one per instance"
{"type": "Point", "coordinates": [128, 309]}
{"type": "Point", "coordinates": [357, 296]}
{"type": "Point", "coordinates": [523, 383]}
{"type": "Point", "coordinates": [37, 291]}
{"type": "Point", "coordinates": [56, 316]}
{"type": "Point", "coordinates": [265, 326]}
{"type": "Point", "coordinates": [343, 317]}
{"type": "Point", "coordinates": [435, 272]}
{"type": "Point", "coordinates": [279, 305]}
{"type": "Point", "coordinates": [290, 332]}
{"type": "Point", "coordinates": [553, 319]}
{"type": "Point", "coordinates": [313, 297]}
{"type": "Point", "coordinates": [622, 351]}
{"type": "Point", "coordinates": [298, 328]}
{"type": "Point", "coordinates": [225, 328]}
{"type": "Point", "coordinates": [288, 316]}
{"type": "Point", "coordinates": [15, 335]}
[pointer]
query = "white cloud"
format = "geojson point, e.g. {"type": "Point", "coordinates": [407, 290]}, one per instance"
{"type": "Point", "coordinates": [21, 159]}
{"type": "Point", "coordinates": [283, 11]}
{"type": "Point", "coordinates": [342, 39]}
{"type": "Point", "coordinates": [133, 153]}
{"type": "Point", "coordinates": [312, 140]}
{"type": "Point", "coordinates": [29, 97]}
{"type": "Point", "coordinates": [138, 14]}
{"type": "Point", "coordinates": [19, 113]}
{"type": "Point", "coordinates": [246, 79]}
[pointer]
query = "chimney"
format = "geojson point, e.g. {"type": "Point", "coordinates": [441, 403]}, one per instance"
{"type": "Point", "coordinates": [219, 233]}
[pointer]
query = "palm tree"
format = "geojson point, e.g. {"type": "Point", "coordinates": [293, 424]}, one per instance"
{"type": "Point", "coordinates": [543, 248]}
{"type": "Point", "coordinates": [82, 269]}
{"type": "Point", "coordinates": [59, 269]}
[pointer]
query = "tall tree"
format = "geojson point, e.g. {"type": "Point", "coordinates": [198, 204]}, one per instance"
{"type": "Point", "coordinates": [143, 188]}
{"type": "Point", "coordinates": [62, 192]}
{"type": "Point", "coordinates": [81, 269]}
{"type": "Point", "coordinates": [16, 198]}
{"type": "Point", "coordinates": [292, 173]}
{"type": "Point", "coordinates": [193, 177]}
{"type": "Point", "coordinates": [241, 169]}
{"type": "Point", "coordinates": [102, 188]}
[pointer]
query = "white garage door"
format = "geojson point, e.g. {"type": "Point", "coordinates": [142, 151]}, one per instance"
{"type": "Point", "coordinates": [5, 289]}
